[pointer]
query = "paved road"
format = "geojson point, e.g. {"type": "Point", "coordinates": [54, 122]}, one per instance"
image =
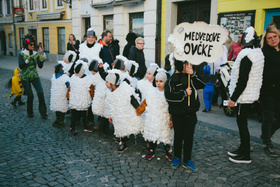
{"type": "Point", "coordinates": [33, 153]}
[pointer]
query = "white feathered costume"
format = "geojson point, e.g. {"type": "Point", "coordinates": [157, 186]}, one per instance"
{"type": "Point", "coordinates": [58, 100]}
{"type": "Point", "coordinates": [80, 98]}
{"type": "Point", "coordinates": [98, 102]}
{"type": "Point", "coordinates": [89, 53]}
{"type": "Point", "coordinates": [156, 128]}
{"type": "Point", "coordinates": [119, 108]}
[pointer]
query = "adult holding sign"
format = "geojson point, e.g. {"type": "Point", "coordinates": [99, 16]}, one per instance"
{"type": "Point", "coordinates": [194, 43]}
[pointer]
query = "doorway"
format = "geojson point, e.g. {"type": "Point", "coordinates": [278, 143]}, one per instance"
{"type": "Point", "coordinates": [194, 11]}
{"type": "Point", "coordinates": [3, 47]}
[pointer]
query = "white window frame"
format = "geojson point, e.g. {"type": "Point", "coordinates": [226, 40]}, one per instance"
{"type": "Point", "coordinates": [41, 5]}
{"type": "Point", "coordinates": [29, 6]}
{"type": "Point", "coordinates": [59, 7]}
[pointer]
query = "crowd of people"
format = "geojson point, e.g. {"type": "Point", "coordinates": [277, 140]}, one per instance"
{"type": "Point", "coordinates": [95, 80]}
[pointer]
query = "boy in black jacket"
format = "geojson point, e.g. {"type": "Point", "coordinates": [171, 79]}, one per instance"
{"type": "Point", "coordinates": [183, 116]}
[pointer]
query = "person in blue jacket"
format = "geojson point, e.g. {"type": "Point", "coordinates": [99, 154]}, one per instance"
{"type": "Point", "coordinates": [209, 88]}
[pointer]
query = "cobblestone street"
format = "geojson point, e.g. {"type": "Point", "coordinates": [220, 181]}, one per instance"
{"type": "Point", "coordinates": [34, 153]}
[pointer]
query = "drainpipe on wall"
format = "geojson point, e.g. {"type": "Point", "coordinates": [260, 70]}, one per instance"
{"type": "Point", "coordinates": [14, 28]}
{"type": "Point", "coordinates": [158, 34]}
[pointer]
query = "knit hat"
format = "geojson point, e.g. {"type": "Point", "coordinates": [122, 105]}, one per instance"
{"type": "Point", "coordinates": [114, 77]}
{"type": "Point", "coordinates": [58, 68]}
{"type": "Point", "coordinates": [90, 32]}
{"type": "Point", "coordinates": [93, 65]}
{"type": "Point", "coordinates": [153, 68]}
{"type": "Point", "coordinates": [132, 67]}
{"type": "Point", "coordinates": [28, 40]}
{"type": "Point", "coordinates": [179, 65]}
{"type": "Point", "coordinates": [162, 75]}
{"type": "Point", "coordinates": [80, 67]}
{"type": "Point", "coordinates": [120, 62]}
{"type": "Point", "coordinates": [70, 56]}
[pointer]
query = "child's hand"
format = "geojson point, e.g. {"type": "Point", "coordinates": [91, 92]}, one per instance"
{"type": "Point", "coordinates": [110, 120]}
{"type": "Point", "coordinates": [189, 91]}
{"type": "Point", "coordinates": [170, 124]}
{"type": "Point", "coordinates": [100, 65]}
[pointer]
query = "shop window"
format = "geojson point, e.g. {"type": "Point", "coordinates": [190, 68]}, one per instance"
{"type": "Point", "coordinates": [61, 40]}
{"type": "Point", "coordinates": [136, 23]}
{"type": "Point", "coordinates": [108, 23]}
{"type": "Point", "coordinates": [31, 5]}
{"type": "Point", "coordinates": [21, 37]}
{"type": "Point", "coordinates": [8, 7]}
{"type": "Point", "coordinates": [10, 40]}
{"type": "Point", "coordinates": [46, 39]}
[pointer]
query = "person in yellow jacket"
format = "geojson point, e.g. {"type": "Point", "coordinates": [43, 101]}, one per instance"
{"type": "Point", "coordinates": [16, 88]}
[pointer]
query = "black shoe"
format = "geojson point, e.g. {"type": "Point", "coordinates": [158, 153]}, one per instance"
{"type": "Point", "coordinates": [269, 150]}
{"type": "Point", "coordinates": [56, 123]}
{"type": "Point", "coordinates": [123, 148]}
{"type": "Point", "coordinates": [150, 155]}
{"type": "Point", "coordinates": [214, 104]}
{"type": "Point", "coordinates": [205, 110]}
{"type": "Point", "coordinates": [233, 153]}
{"type": "Point", "coordinates": [20, 103]}
{"type": "Point", "coordinates": [61, 124]}
{"type": "Point", "coordinates": [44, 116]}
{"type": "Point", "coordinates": [73, 131]}
{"type": "Point", "coordinates": [30, 115]}
{"type": "Point", "coordinates": [14, 103]}
{"type": "Point", "coordinates": [241, 159]}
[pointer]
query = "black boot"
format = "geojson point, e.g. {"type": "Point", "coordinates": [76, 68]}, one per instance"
{"type": "Point", "coordinates": [14, 103]}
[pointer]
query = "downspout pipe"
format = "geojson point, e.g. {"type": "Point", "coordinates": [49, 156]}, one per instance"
{"type": "Point", "coordinates": [14, 27]}
{"type": "Point", "coordinates": [158, 34]}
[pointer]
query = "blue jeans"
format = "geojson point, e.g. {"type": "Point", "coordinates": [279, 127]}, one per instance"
{"type": "Point", "coordinates": [28, 91]}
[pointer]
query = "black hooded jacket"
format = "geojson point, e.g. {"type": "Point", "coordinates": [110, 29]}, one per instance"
{"type": "Point", "coordinates": [130, 38]}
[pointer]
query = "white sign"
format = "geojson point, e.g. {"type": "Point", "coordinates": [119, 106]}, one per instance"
{"type": "Point", "coordinates": [198, 42]}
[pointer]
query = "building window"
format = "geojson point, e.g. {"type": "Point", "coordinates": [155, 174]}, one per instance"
{"type": "Point", "coordinates": [136, 23]}
{"type": "Point", "coordinates": [46, 39]}
{"type": "Point", "coordinates": [61, 40]}
{"type": "Point", "coordinates": [59, 3]}
{"type": "Point", "coordinates": [108, 23]}
{"type": "Point", "coordinates": [44, 4]}
{"type": "Point", "coordinates": [8, 7]}
{"type": "Point", "coordinates": [31, 5]}
{"type": "Point", "coordinates": [11, 40]}
{"type": "Point", "coordinates": [20, 3]}
{"type": "Point", "coordinates": [21, 37]}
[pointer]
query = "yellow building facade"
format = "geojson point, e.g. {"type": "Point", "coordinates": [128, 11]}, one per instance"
{"type": "Point", "coordinates": [49, 21]}
{"type": "Point", "coordinates": [256, 13]}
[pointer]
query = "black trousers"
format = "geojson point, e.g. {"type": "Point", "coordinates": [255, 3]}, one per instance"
{"type": "Point", "coordinates": [60, 115]}
{"type": "Point", "coordinates": [271, 117]}
{"type": "Point", "coordinates": [184, 126]}
{"type": "Point", "coordinates": [28, 91]}
{"type": "Point", "coordinates": [76, 115]}
{"type": "Point", "coordinates": [243, 111]}
{"type": "Point", "coordinates": [104, 125]}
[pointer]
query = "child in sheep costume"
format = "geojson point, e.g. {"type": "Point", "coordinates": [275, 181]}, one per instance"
{"type": "Point", "coordinates": [132, 68]}
{"type": "Point", "coordinates": [121, 108]}
{"type": "Point", "coordinates": [68, 60]}
{"type": "Point", "coordinates": [58, 100]}
{"type": "Point", "coordinates": [98, 101]}
{"type": "Point", "coordinates": [79, 99]}
{"type": "Point", "coordinates": [157, 127]}
{"type": "Point", "coordinates": [244, 89]}
{"type": "Point", "coordinates": [148, 82]}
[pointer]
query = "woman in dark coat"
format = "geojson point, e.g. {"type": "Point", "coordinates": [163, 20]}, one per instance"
{"type": "Point", "coordinates": [130, 38]}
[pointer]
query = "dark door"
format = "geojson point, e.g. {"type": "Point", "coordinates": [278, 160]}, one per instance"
{"type": "Point", "coordinates": [87, 24]}
{"type": "Point", "coordinates": [194, 11]}
{"type": "Point", "coordinates": [3, 43]}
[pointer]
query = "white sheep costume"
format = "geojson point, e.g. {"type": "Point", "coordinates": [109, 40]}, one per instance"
{"type": "Point", "coordinates": [80, 98]}
{"type": "Point", "coordinates": [156, 128]}
{"type": "Point", "coordinates": [89, 53]}
{"type": "Point", "coordinates": [255, 55]}
{"type": "Point", "coordinates": [129, 65]}
{"type": "Point", "coordinates": [58, 100]}
{"type": "Point", "coordinates": [119, 108]}
{"type": "Point", "coordinates": [98, 102]}
{"type": "Point", "coordinates": [67, 67]}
